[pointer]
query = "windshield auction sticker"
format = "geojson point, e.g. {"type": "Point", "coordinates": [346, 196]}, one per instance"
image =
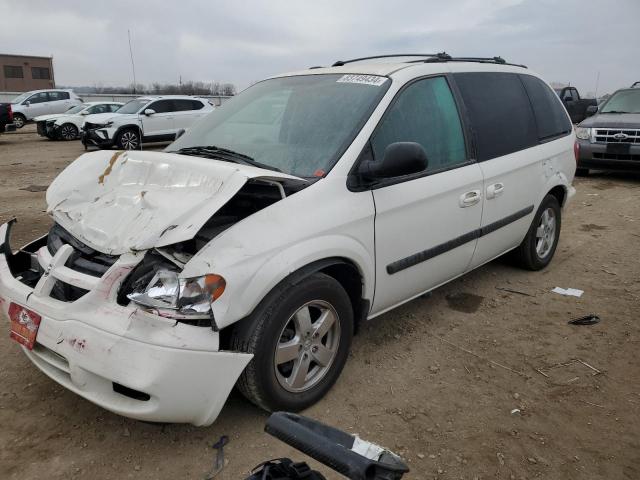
{"type": "Point", "coordinates": [362, 79]}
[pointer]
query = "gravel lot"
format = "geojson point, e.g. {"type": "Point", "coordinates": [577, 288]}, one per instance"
{"type": "Point", "coordinates": [436, 380]}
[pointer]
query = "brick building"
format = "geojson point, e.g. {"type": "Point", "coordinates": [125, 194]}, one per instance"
{"type": "Point", "coordinates": [21, 73]}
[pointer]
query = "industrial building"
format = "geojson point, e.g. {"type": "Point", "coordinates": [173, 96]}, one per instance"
{"type": "Point", "coordinates": [21, 73]}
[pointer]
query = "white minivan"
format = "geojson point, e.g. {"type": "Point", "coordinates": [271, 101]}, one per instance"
{"type": "Point", "coordinates": [251, 249]}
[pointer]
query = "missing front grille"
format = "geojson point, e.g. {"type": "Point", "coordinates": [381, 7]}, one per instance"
{"type": "Point", "coordinates": [130, 392]}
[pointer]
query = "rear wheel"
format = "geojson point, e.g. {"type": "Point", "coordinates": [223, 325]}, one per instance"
{"type": "Point", "coordinates": [300, 337]}
{"type": "Point", "coordinates": [129, 139]}
{"type": "Point", "coordinates": [19, 120]}
{"type": "Point", "coordinates": [68, 131]}
{"type": "Point", "coordinates": [538, 247]}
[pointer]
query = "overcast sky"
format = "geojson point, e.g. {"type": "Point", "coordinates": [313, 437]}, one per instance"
{"type": "Point", "coordinates": [243, 41]}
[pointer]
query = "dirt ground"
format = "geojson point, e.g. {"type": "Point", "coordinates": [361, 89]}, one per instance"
{"type": "Point", "coordinates": [438, 380]}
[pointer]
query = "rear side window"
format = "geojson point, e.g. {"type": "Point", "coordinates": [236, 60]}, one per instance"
{"type": "Point", "coordinates": [426, 113]}
{"type": "Point", "coordinates": [196, 105]}
{"type": "Point", "coordinates": [549, 113]}
{"type": "Point", "coordinates": [500, 113]}
{"type": "Point", "coordinates": [186, 104]}
{"type": "Point", "coordinates": [55, 96]}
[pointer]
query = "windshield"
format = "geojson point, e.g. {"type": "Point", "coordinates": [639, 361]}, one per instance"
{"type": "Point", "coordinates": [625, 101]}
{"type": "Point", "coordinates": [76, 109]}
{"type": "Point", "coordinates": [133, 106]}
{"type": "Point", "coordinates": [21, 98]}
{"type": "Point", "coordinates": [299, 125]}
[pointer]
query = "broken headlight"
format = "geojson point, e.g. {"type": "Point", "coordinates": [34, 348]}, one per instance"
{"type": "Point", "coordinates": [191, 297]}
{"type": "Point", "coordinates": [583, 133]}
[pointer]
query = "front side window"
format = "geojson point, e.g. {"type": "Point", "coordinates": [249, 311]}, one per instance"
{"type": "Point", "coordinates": [162, 106]}
{"type": "Point", "coordinates": [500, 112]}
{"type": "Point", "coordinates": [99, 109]}
{"type": "Point", "coordinates": [625, 101]}
{"type": "Point", "coordinates": [300, 125]}
{"type": "Point", "coordinates": [425, 112]}
{"type": "Point", "coordinates": [114, 107]}
{"type": "Point", "coordinates": [40, 97]}
{"type": "Point", "coordinates": [75, 109]}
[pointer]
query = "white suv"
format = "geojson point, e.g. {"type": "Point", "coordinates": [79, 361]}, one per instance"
{"type": "Point", "coordinates": [41, 102]}
{"type": "Point", "coordinates": [68, 125]}
{"type": "Point", "coordinates": [253, 247]}
{"type": "Point", "coordinates": [145, 119]}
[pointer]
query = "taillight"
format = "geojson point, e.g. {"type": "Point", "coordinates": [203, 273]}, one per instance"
{"type": "Point", "coordinates": [576, 150]}
{"type": "Point", "coordinates": [10, 114]}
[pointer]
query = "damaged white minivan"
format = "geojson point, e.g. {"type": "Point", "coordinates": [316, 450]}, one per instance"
{"type": "Point", "coordinates": [249, 251]}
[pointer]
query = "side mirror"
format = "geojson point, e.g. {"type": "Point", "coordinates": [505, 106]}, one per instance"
{"type": "Point", "coordinates": [591, 110]}
{"type": "Point", "coordinates": [27, 103]}
{"type": "Point", "coordinates": [84, 113]}
{"type": "Point", "coordinates": [149, 111]}
{"type": "Point", "coordinates": [179, 133]}
{"type": "Point", "coordinates": [400, 158]}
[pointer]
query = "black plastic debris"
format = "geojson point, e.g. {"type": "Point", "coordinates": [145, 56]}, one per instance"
{"type": "Point", "coordinates": [218, 462]}
{"type": "Point", "coordinates": [590, 319]}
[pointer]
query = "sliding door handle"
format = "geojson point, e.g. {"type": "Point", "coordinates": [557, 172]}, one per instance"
{"type": "Point", "coordinates": [495, 190]}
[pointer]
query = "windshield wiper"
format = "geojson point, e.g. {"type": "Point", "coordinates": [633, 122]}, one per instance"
{"type": "Point", "coordinates": [615, 111]}
{"type": "Point", "coordinates": [218, 153]}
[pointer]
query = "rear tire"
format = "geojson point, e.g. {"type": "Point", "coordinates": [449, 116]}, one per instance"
{"type": "Point", "coordinates": [68, 131]}
{"type": "Point", "coordinates": [129, 139]}
{"type": "Point", "coordinates": [538, 247]}
{"type": "Point", "coordinates": [300, 336]}
{"type": "Point", "coordinates": [19, 120]}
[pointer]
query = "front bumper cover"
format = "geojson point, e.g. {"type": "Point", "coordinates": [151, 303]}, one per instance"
{"type": "Point", "coordinates": [97, 137]}
{"type": "Point", "coordinates": [599, 157]}
{"type": "Point", "coordinates": [123, 359]}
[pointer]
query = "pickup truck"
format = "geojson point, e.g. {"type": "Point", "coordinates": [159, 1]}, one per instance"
{"type": "Point", "coordinates": [6, 118]}
{"type": "Point", "coordinates": [576, 106]}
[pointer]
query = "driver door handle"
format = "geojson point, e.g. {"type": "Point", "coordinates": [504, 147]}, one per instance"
{"type": "Point", "coordinates": [469, 199]}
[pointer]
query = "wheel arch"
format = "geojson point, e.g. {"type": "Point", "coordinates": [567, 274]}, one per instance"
{"type": "Point", "coordinates": [128, 126]}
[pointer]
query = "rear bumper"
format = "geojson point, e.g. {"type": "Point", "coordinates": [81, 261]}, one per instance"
{"type": "Point", "coordinates": [596, 156]}
{"type": "Point", "coordinates": [125, 360]}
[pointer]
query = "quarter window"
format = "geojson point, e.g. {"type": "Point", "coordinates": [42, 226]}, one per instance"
{"type": "Point", "coordinates": [550, 115]}
{"type": "Point", "coordinates": [11, 71]}
{"type": "Point", "coordinates": [425, 112]}
{"type": "Point", "coordinates": [500, 113]}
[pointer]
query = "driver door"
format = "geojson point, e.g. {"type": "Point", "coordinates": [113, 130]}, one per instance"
{"type": "Point", "coordinates": [161, 123]}
{"type": "Point", "coordinates": [426, 224]}
{"type": "Point", "coordinates": [38, 105]}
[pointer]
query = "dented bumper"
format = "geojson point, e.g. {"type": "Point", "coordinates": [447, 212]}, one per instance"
{"type": "Point", "coordinates": [128, 361]}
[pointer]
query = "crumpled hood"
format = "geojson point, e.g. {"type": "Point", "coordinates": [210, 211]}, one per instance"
{"type": "Point", "coordinates": [129, 201]}
{"type": "Point", "coordinates": [612, 120]}
{"type": "Point", "coordinates": [43, 118]}
{"type": "Point", "coordinates": [100, 117]}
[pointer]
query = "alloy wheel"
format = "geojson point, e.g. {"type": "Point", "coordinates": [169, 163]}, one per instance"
{"type": "Point", "coordinates": [129, 140]}
{"type": "Point", "coordinates": [307, 346]}
{"type": "Point", "coordinates": [68, 132]}
{"type": "Point", "coordinates": [546, 233]}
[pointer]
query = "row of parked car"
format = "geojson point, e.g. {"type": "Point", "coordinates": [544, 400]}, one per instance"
{"type": "Point", "coordinates": [62, 115]}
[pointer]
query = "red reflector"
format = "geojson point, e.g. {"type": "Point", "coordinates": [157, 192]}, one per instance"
{"type": "Point", "coordinates": [10, 114]}
{"type": "Point", "coordinates": [576, 150]}
{"type": "Point", "coordinates": [24, 325]}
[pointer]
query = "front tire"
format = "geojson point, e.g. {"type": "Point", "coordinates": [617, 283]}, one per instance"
{"type": "Point", "coordinates": [300, 336]}
{"type": "Point", "coordinates": [538, 247]}
{"type": "Point", "coordinates": [68, 131]}
{"type": "Point", "coordinates": [19, 120]}
{"type": "Point", "coordinates": [129, 139]}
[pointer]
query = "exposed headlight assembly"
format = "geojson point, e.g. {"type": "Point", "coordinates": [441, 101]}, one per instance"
{"type": "Point", "coordinates": [180, 297]}
{"type": "Point", "coordinates": [583, 133]}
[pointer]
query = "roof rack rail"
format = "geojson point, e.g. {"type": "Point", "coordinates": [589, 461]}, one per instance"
{"type": "Point", "coordinates": [340, 63]}
{"type": "Point", "coordinates": [433, 57]}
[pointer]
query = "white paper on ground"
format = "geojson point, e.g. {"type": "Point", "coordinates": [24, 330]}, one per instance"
{"type": "Point", "coordinates": [571, 292]}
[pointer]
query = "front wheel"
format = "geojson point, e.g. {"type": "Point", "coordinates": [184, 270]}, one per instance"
{"type": "Point", "coordinates": [19, 120]}
{"type": "Point", "coordinates": [68, 131]}
{"type": "Point", "coordinates": [300, 337]}
{"type": "Point", "coordinates": [538, 247]}
{"type": "Point", "coordinates": [129, 139]}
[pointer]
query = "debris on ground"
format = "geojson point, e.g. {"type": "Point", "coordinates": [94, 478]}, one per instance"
{"type": "Point", "coordinates": [590, 319]}
{"type": "Point", "coordinates": [570, 292]}
{"type": "Point", "coordinates": [218, 461]}
{"type": "Point", "coordinates": [35, 188]}
{"type": "Point", "coordinates": [513, 290]}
